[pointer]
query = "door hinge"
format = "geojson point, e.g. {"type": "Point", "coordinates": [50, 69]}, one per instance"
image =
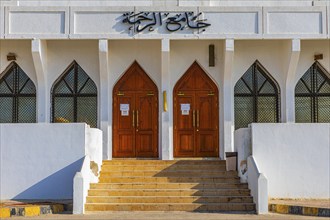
{"type": "Point", "coordinates": [181, 94]}
{"type": "Point", "coordinates": [150, 93]}
{"type": "Point", "coordinates": [210, 94]}
{"type": "Point", "coordinates": [120, 93]}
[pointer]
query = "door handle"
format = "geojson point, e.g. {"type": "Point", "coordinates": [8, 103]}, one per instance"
{"type": "Point", "coordinates": [197, 118]}
{"type": "Point", "coordinates": [133, 119]}
{"type": "Point", "coordinates": [193, 118]}
{"type": "Point", "coordinates": [137, 118]}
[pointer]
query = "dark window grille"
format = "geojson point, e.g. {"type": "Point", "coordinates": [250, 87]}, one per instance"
{"type": "Point", "coordinates": [74, 97]}
{"type": "Point", "coordinates": [313, 96]}
{"type": "Point", "coordinates": [17, 96]}
{"type": "Point", "coordinates": [256, 98]}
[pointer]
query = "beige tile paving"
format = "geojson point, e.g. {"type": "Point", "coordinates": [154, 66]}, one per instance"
{"type": "Point", "coordinates": [172, 216]}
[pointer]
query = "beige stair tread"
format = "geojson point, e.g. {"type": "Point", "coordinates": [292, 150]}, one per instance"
{"type": "Point", "coordinates": [175, 185]}
{"type": "Point", "coordinates": [148, 185]}
{"type": "Point", "coordinates": [204, 203]}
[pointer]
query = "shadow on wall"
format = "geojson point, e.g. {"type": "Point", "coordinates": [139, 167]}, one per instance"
{"type": "Point", "coordinates": [59, 185]}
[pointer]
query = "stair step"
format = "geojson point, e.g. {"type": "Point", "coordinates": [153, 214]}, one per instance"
{"type": "Point", "coordinates": [169, 179]}
{"type": "Point", "coordinates": [169, 192]}
{"type": "Point", "coordinates": [169, 186]}
{"type": "Point", "coordinates": [167, 174]}
{"type": "Point", "coordinates": [164, 162]}
{"type": "Point", "coordinates": [156, 167]}
{"type": "Point", "coordinates": [213, 207]}
{"type": "Point", "coordinates": [176, 185]}
{"type": "Point", "coordinates": [169, 199]}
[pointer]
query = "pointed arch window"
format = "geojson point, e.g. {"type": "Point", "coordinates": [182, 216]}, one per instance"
{"type": "Point", "coordinates": [17, 96]}
{"type": "Point", "coordinates": [257, 97]}
{"type": "Point", "coordinates": [312, 96]}
{"type": "Point", "coordinates": [74, 97]}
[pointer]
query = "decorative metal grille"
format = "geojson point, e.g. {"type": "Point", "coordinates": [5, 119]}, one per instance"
{"type": "Point", "coordinates": [17, 96]}
{"type": "Point", "coordinates": [313, 95]}
{"type": "Point", "coordinates": [257, 97]}
{"type": "Point", "coordinates": [74, 97]}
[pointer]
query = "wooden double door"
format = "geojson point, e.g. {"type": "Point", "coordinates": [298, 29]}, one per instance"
{"type": "Point", "coordinates": [196, 115]}
{"type": "Point", "coordinates": [135, 115]}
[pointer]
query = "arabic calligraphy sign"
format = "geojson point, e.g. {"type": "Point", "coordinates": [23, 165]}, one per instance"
{"type": "Point", "coordinates": [172, 21]}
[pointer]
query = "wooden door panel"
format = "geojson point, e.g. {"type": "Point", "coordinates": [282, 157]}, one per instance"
{"type": "Point", "coordinates": [207, 125]}
{"type": "Point", "coordinates": [123, 126]}
{"type": "Point", "coordinates": [145, 110]}
{"type": "Point", "coordinates": [125, 122]}
{"type": "Point", "coordinates": [184, 125]}
{"type": "Point", "coordinates": [125, 146]}
{"type": "Point", "coordinates": [185, 144]}
{"type": "Point", "coordinates": [145, 144]}
{"type": "Point", "coordinates": [147, 124]}
{"type": "Point", "coordinates": [206, 144]}
{"type": "Point", "coordinates": [205, 112]}
{"type": "Point", "coordinates": [184, 122]}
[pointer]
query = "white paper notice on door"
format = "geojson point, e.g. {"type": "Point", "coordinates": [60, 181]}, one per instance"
{"type": "Point", "coordinates": [124, 109]}
{"type": "Point", "coordinates": [185, 108]}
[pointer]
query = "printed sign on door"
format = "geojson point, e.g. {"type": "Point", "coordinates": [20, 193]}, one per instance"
{"type": "Point", "coordinates": [185, 108]}
{"type": "Point", "coordinates": [124, 109]}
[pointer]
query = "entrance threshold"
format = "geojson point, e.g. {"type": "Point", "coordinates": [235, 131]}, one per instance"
{"type": "Point", "coordinates": [136, 158]}
{"type": "Point", "coordinates": [197, 158]}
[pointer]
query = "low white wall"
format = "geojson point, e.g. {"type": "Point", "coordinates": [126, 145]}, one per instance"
{"type": "Point", "coordinates": [94, 151]}
{"type": "Point", "coordinates": [242, 145]}
{"type": "Point", "coordinates": [39, 161]}
{"type": "Point", "coordinates": [294, 157]}
{"type": "Point", "coordinates": [81, 184]}
{"type": "Point", "coordinates": [258, 185]}
{"type": "Point", "coordinates": [89, 171]}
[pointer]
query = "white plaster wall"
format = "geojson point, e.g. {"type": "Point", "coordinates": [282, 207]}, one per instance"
{"type": "Point", "coordinates": [287, 21]}
{"type": "Point", "coordinates": [61, 53]}
{"type": "Point", "coordinates": [122, 54]}
{"type": "Point", "coordinates": [309, 48]}
{"type": "Point", "coordinates": [39, 161]}
{"type": "Point", "coordinates": [22, 49]}
{"type": "Point", "coordinates": [272, 54]}
{"type": "Point", "coordinates": [242, 144]}
{"type": "Point", "coordinates": [94, 149]}
{"type": "Point", "coordinates": [294, 157]}
{"type": "Point", "coordinates": [81, 185]}
{"type": "Point", "coordinates": [2, 21]}
{"type": "Point", "coordinates": [44, 22]}
{"type": "Point", "coordinates": [258, 185]}
{"type": "Point", "coordinates": [184, 52]}
{"type": "Point", "coordinates": [164, 2]}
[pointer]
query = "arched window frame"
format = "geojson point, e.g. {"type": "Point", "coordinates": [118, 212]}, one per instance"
{"type": "Point", "coordinates": [75, 94]}
{"type": "Point", "coordinates": [255, 93]}
{"type": "Point", "coordinates": [314, 91]}
{"type": "Point", "coordinates": [17, 93]}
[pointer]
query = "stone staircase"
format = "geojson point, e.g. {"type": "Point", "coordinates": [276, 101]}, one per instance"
{"type": "Point", "coordinates": [179, 185]}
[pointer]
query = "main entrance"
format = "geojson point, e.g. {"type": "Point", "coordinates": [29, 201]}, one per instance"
{"type": "Point", "coordinates": [135, 115]}
{"type": "Point", "coordinates": [196, 115]}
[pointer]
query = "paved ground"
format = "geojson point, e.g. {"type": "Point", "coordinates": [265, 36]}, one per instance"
{"type": "Point", "coordinates": [323, 203]}
{"type": "Point", "coordinates": [319, 203]}
{"type": "Point", "coordinates": [171, 216]}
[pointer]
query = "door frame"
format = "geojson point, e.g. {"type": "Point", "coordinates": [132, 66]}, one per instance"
{"type": "Point", "coordinates": [214, 90]}
{"type": "Point", "coordinates": [135, 68]}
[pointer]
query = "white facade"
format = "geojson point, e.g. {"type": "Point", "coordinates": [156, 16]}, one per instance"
{"type": "Point", "coordinates": [47, 36]}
